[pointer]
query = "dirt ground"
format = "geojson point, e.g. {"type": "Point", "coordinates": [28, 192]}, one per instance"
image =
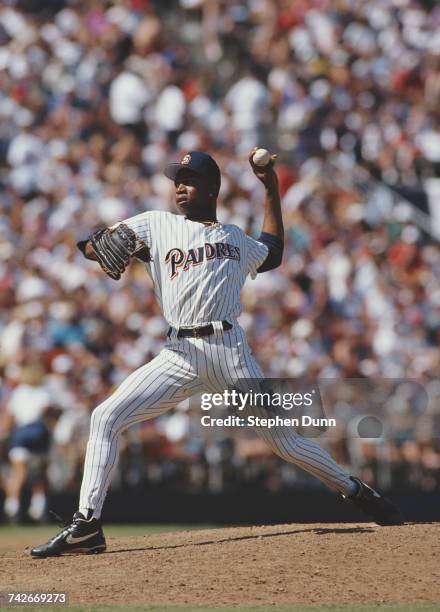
{"type": "Point", "coordinates": [274, 565]}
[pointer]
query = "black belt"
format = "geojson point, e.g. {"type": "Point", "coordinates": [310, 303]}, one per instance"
{"type": "Point", "coordinates": [198, 332]}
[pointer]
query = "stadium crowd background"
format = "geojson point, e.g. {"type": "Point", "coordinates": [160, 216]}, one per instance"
{"type": "Point", "coordinates": [97, 96]}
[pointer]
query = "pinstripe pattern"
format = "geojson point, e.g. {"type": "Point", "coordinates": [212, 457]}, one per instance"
{"type": "Point", "coordinates": [202, 292]}
{"type": "Point", "coordinates": [208, 291]}
{"type": "Point", "coordinates": [148, 392]}
{"type": "Point", "coordinates": [187, 366]}
{"type": "Point", "coordinates": [232, 358]}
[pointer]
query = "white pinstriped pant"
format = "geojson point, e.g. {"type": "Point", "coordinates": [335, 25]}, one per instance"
{"type": "Point", "coordinates": [184, 367]}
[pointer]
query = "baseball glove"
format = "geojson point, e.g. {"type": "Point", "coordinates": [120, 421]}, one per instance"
{"type": "Point", "coordinates": [114, 248]}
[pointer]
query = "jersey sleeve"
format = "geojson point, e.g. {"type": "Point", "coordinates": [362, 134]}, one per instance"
{"type": "Point", "coordinates": [141, 225]}
{"type": "Point", "coordinates": [256, 253]}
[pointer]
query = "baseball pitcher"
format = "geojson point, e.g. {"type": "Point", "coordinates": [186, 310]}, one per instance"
{"type": "Point", "coordinates": [198, 266]}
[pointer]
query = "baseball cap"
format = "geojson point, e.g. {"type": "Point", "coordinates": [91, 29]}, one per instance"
{"type": "Point", "coordinates": [198, 162]}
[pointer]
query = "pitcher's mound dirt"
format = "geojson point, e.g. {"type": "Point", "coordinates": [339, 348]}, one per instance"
{"type": "Point", "coordinates": [281, 564]}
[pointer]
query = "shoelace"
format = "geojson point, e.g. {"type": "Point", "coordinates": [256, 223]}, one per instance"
{"type": "Point", "coordinates": [68, 526]}
{"type": "Point", "coordinates": [60, 521]}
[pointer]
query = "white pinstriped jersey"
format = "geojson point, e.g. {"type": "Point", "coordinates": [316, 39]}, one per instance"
{"type": "Point", "coordinates": [198, 271]}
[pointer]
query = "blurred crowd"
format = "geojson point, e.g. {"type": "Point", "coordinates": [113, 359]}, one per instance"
{"type": "Point", "coordinates": [96, 97]}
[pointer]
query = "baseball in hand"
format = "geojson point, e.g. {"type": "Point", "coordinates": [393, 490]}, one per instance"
{"type": "Point", "coordinates": [261, 157]}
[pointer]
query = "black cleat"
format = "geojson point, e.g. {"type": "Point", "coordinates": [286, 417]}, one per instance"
{"type": "Point", "coordinates": [81, 536]}
{"type": "Point", "coordinates": [379, 508]}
